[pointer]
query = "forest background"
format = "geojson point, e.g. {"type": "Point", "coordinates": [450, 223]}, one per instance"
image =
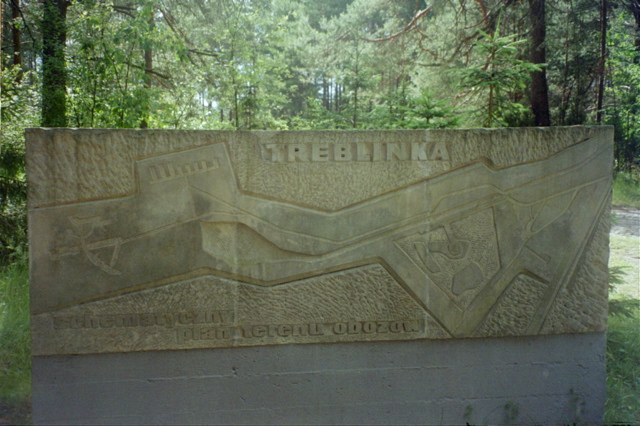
{"type": "Point", "coordinates": [312, 64]}
{"type": "Point", "coordinates": [305, 64]}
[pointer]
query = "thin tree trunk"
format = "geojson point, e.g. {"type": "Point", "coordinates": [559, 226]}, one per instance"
{"type": "Point", "coordinates": [603, 57]}
{"type": "Point", "coordinates": [566, 90]}
{"type": "Point", "coordinates": [325, 95]}
{"type": "Point", "coordinates": [356, 78]}
{"type": "Point", "coordinates": [15, 36]}
{"type": "Point", "coordinates": [334, 95]}
{"type": "Point", "coordinates": [148, 69]}
{"type": "Point", "coordinates": [635, 10]}
{"type": "Point", "coordinates": [54, 76]}
{"type": "Point", "coordinates": [355, 99]}
{"type": "Point", "coordinates": [490, 120]}
{"type": "Point", "coordinates": [235, 104]}
{"type": "Point", "coordinates": [539, 95]}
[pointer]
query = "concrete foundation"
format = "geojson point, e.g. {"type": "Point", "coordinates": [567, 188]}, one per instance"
{"type": "Point", "coordinates": [552, 379]}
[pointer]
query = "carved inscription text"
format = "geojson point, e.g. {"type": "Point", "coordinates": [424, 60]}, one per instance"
{"type": "Point", "coordinates": [220, 325]}
{"type": "Point", "coordinates": [142, 320]}
{"type": "Point", "coordinates": [357, 151]}
{"type": "Point", "coordinates": [185, 334]}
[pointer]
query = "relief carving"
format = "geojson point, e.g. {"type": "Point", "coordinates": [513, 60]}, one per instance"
{"type": "Point", "coordinates": [82, 231]}
{"type": "Point", "coordinates": [463, 246]}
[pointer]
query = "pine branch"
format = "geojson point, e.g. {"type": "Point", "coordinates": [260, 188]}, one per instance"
{"type": "Point", "coordinates": [419, 14]}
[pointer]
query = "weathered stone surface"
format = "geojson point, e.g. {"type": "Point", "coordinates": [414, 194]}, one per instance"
{"type": "Point", "coordinates": [144, 240]}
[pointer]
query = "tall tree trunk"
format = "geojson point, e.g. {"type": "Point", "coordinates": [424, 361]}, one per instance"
{"type": "Point", "coordinates": [603, 57]}
{"type": "Point", "coordinates": [148, 71]}
{"type": "Point", "coordinates": [15, 36]}
{"type": "Point", "coordinates": [54, 76]}
{"type": "Point", "coordinates": [236, 114]}
{"type": "Point", "coordinates": [539, 96]}
{"type": "Point", "coordinates": [148, 68]}
{"type": "Point", "coordinates": [325, 95]}
{"type": "Point", "coordinates": [490, 117]}
{"type": "Point", "coordinates": [355, 98]}
{"type": "Point", "coordinates": [635, 10]}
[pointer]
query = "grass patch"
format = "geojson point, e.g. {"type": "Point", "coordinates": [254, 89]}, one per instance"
{"type": "Point", "coordinates": [626, 189]}
{"type": "Point", "coordinates": [623, 365]}
{"type": "Point", "coordinates": [625, 256]}
{"type": "Point", "coordinates": [623, 335]}
{"type": "Point", "coordinates": [15, 344]}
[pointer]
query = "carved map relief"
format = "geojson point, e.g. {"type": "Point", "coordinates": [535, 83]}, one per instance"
{"type": "Point", "coordinates": [217, 239]}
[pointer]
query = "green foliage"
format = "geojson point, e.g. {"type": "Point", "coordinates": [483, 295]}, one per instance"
{"type": "Point", "coordinates": [18, 109]}
{"type": "Point", "coordinates": [15, 353]}
{"type": "Point", "coordinates": [624, 306]}
{"type": "Point", "coordinates": [623, 100]}
{"type": "Point", "coordinates": [623, 336]}
{"type": "Point", "coordinates": [623, 368]}
{"type": "Point", "coordinates": [511, 413]}
{"type": "Point", "coordinates": [500, 74]}
{"type": "Point", "coordinates": [277, 64]}
{"type": "Point", "coordinates": [300, 64]}
{"type": "Point", "coordinates": [317, 117]}
{"type": "Point", "coordinates": [54, 71]}
{"type": "Point", "coordinates": [107, 79]}
{"type": "Point", "coordinates": [573, 54]}
{"type": "Point", "coordinates": [12, 186]}
{"type": "Point", "coordinates": [616, 276]}
{"type": "Point", "coordinates": [399, 111]}
{"type": "Point", "coordinates": [425, 112]}
{"type": "Point", "coordinates": [468, 412]}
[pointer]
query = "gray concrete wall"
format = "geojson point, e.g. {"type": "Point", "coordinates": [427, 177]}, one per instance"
{"type": "Point", "coordinates": [542, 379]}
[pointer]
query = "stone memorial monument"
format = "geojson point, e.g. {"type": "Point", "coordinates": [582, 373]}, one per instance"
{"type": "Point", "coordinates": [441, 276]}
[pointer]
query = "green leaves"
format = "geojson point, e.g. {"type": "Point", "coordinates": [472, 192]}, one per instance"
{"type": "Point", "coordinates": [622, 104]}
{"type": "Point", "coordinates": [18, 109]}
{"type": "Point", "coordinates": [499, 74]}
{"type": "Point", "coordinates": [342, 63]}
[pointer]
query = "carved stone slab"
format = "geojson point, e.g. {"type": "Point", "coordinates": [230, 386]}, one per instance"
{"type": "Point", "coordinates": [151, 240]}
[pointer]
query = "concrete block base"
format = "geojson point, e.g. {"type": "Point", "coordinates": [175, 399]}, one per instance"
{"type": "Point", "coordinates": [526, 380]}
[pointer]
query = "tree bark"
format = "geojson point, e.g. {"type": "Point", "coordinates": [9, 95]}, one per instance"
{"type": "Point", "coordinates": [539, 96]}
{"type": "Point", "coordinates": [603, 58]}
{"type": "Point", "coordinates": [148, 68]}
{"type": "Point", "coordinates": [15, 35]}
{"type": "Point", "coordinates": [148, 71]}
{"type": "Point", "coordinates": [355, 92]}
{"type": "Point", "coordinates": [54, 76]}
{"type": "Point", "coordinates": [635, 10]}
